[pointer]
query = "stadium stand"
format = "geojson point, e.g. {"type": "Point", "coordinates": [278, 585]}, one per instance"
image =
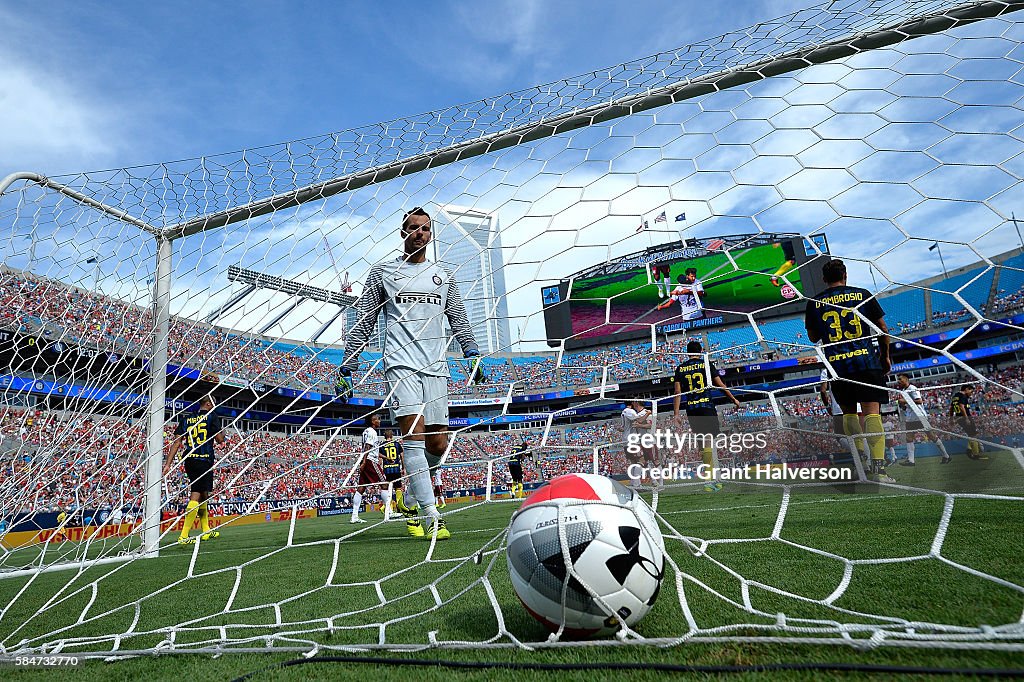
{"type": "Point", "coordinates": [54, 310]}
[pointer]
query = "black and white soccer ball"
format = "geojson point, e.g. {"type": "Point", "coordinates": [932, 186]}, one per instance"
{"type": "Point", "coordinates": [613, 544]}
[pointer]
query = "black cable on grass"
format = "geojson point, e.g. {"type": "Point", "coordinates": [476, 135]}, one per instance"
{"type": "Point", "coordinates": [658, 667]}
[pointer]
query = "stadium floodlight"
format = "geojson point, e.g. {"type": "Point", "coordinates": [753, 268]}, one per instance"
{"type": "Point", "coordinates": [258, 280]}
{"type": "Point", "coordinates": [274, 283]}
{"type": "Point", "coordinates": [881, 126]}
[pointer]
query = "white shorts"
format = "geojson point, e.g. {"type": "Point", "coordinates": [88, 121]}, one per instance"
{"type": "Point", "coordinates": [411, 392]}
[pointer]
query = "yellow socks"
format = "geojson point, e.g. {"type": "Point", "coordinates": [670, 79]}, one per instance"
{"type": "Point", "coordinates": [190, 517]}
{"type": "Point", "coordinates": [204, 516]}
{"type": "Point", "coordinates": [851, 426]}
{"type": "Point", "coordinates": [876, 439]}
{"type": "Point", "coordinates": [784, 268]}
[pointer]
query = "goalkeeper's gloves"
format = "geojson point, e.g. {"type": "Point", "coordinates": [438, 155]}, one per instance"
{"type": "Point", "coordinates": [477, 375]}
{"type": "Point", "coordinates": [344, 387]}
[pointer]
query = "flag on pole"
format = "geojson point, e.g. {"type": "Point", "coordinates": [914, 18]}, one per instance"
{"type": "Point", "coordinates": [681, 217]}
{"type": "Point", "coordinates": [643, 226]}
{"type": "Point", "coordinates": [661, 218]}
{"type": "Point", "coordinates": [933, 246]}
{"type": "Point", "coordinates": [92, 260]}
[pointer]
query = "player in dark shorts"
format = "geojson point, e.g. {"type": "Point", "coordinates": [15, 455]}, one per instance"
{"type": "Point", "coordinates": [960, 411]}
{"type": "Point", "coordinates": [515, 468]}
{"type": "Point", "coordinates": [788, 264]}
{"type": "Point", "coordinates": [391, 463]}
{"type": "Point", "coordinates": [693, 378]}
{"type": "Point", "coordinates": [841, 318]}
{"type": "Point", "coordinates": [197, 432]}
{"type": "Point", "coordinates": [662, 273]}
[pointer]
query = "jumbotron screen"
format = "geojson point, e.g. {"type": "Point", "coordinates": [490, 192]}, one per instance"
{"type": "Point", "coordinates": [689, 287]}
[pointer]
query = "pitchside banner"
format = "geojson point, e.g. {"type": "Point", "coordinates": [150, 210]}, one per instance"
{"type": "Point", "coordinates": [964, 356]}
{"type": "Point", "coordinates": [325, 506]}
{"type": "Point", "coordinates": [77, 517]}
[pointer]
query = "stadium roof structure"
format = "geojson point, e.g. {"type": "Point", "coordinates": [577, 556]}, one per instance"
{"type": "Point", "coordinates": [302, 292]}
{"type": "Point", "coordinates": [689, 248]}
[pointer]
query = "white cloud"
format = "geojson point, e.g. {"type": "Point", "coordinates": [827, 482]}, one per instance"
{"type": "Point", "coordinates": [48, 125]}
{"type": "Point", "coordinates": [482, 57]}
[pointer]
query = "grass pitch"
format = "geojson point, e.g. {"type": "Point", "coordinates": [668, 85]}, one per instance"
{"type": "Point", "coordinates": [374, 585]}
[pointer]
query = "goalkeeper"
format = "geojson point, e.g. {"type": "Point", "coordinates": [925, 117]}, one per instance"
{"type": "Point", "coordinates": [415, 295]}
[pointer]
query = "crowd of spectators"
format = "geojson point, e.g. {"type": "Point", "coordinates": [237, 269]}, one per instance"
{"type": "Point", "coordinates": [61, 460]}
{"type": "Point", "coordinates": [51, 308]}
{"type": "Point", "coordinates": [902, 328]}
{"type": "Point", "coordinates": [943, 318]}
{"type": "Point", "coordinates": [1005, 301]}
{"type": "Point", "coordinates": [53, 461]}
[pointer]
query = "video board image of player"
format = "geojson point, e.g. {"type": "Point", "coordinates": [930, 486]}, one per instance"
{"type": "Point", "coordinates": [685, 290]}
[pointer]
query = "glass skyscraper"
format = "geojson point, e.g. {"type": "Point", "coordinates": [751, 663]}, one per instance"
{"type": "Point", "coordinates": [468, 242]}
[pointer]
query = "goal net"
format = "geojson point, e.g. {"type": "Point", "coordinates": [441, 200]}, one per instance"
{"type": "Point", "coordinates": [569, 217]}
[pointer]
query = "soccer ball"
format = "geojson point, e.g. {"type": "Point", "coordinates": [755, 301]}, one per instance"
{"type": "Point", "coordinates": [615, 547]}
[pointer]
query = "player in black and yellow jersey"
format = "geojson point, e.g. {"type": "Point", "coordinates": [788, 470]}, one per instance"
{"type": "Point", "coordinates": [391, 461]}
{"type": "Point", "coordinates": [197, 432]}
{"type": "Point", "coordinates": [693, 378]}
{"type": "Point", "coordinates": [843, 319]}
{"type": "Point", "coordinates": [515, 467]}
{"type": "Point", "coordinates": [960, 411]}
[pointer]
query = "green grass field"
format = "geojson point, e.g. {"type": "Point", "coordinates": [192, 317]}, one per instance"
{"type": "Point", "coordinates": [730, 288]}
{"type": "Point", "coordinates": [275, 589]}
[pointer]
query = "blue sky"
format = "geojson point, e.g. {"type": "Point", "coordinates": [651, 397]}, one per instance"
{"type": "Point", "coordinates": [883, 151]}
{"type": "Point", "coordinates": [91, 85]}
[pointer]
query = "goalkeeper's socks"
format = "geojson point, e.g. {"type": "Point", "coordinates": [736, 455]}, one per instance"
{"type": "Point", "coordinates": [420, 485]}
{"type": "Point", "coordinates": [190, 517]}
{"type": "Point", "coordinates": [204, 516]}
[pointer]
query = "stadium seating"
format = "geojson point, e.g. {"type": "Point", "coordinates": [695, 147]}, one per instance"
{"type": "Point", "coordinates": [946, 309]}
{"type": "Point", "coordinates": [904, 311]}
{"type": "Point", "coordinates": [53, 309]}
{"type": "Point", "coordinates": [1010, 287]}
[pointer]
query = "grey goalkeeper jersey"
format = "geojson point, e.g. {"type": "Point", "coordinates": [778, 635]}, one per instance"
{"type": "Point", "coordinates": [415, 298]}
